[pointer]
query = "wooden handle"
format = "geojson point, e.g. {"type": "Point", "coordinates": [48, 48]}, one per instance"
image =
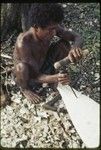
{"type": "Point", "coordinates": [61, 63]}
{"type": "Point", "coordinates": [66, 61]}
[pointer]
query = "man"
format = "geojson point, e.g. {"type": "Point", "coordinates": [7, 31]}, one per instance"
{"type": "Point", "coordinates": [35, 55]}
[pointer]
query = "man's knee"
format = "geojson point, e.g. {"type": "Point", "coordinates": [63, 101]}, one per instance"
{"type": "Point", "coordinates": [22, 74]}
{"type": "Point", "coordinates": [21, 67]}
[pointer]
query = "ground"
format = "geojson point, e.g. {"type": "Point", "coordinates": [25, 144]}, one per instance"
{"type": "Point", "coordinates": [24, 124]}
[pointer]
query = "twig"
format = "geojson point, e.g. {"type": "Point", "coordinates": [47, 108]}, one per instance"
{"type": "Point", "coordinates": [6, 56]}
{"type": "Point", "coordinates": [7, 71]}
{"type": "Point", "coordinates": [5, 79]}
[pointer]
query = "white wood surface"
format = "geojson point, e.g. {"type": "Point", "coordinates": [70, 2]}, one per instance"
{"type": "Point", "coordinates": [84, 113]}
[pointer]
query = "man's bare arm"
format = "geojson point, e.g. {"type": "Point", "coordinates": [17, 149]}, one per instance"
{"type": "Point", "coordinates": [70, 36]}
{"type": "Point", "coordinates": [43, 78]}
{"type": "Point", "coordinates": [38, 77]}
{"type": "Point", "coordinates": [75, 53]}
{"type": "Point", "coordinates": [56, 78]}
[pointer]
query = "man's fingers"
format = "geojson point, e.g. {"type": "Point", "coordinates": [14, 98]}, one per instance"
{"type": "Point", "coordinates": [62, 75]}
{"type": "Point", "coordinates": [65, 82]}
{"type": "Point", "coordinates": [70, 57]}
{"type": "Point", "coordinates": [63, 79]}
{"type": "Point", "coordinates": [74, 53]}
{"type": "Point", "coordinates": [79, 52]}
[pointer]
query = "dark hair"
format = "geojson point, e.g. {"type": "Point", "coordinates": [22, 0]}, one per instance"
{"type": "Point", "coordinates": [43, 14]}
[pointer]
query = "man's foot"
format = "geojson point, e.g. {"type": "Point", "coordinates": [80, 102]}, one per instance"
{"type": "Point", "coordinates": [33, 97]}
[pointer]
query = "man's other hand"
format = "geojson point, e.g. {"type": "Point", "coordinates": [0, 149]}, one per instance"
{"type": "Point", "coordinates": [63, 78]}
{"type": "Point", "coordinates": [75, 54]}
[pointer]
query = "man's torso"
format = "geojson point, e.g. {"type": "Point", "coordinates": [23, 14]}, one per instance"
{"type": "Point", "coordinates": [38, 49]}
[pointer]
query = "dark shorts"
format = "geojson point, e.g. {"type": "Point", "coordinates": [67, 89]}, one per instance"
{"type": "Point", "coordinates": [57, 51]}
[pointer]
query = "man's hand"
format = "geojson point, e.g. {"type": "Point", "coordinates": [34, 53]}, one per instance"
{"type": "Point", "coordinates": [63, 78]}
{"type": "Point", "coordinates": [75, 54]}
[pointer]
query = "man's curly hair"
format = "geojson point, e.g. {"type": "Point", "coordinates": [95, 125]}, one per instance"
{"type": "Point", "coordinates": [43, 14]}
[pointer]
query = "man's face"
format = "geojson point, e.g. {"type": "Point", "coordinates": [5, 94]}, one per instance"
{"type": "Point", "coordinates": [46, 33]}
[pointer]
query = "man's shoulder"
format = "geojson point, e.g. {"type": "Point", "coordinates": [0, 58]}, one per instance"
{"type": "Point", "coordinates": [23, 39]}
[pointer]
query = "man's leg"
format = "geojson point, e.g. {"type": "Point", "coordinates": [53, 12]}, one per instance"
{"type": "Point", "coordinates": [22, 72]}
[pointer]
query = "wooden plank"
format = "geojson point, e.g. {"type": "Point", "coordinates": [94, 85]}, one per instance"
{"type": "Point", "coordinates": [84, 113]}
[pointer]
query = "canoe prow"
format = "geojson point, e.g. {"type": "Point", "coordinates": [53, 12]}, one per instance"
{"type": "Point", "coordinates": [84, 113]}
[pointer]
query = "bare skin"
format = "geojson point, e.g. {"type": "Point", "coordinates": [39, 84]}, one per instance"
{"type": "Point", "coordinates": [30, 51]}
